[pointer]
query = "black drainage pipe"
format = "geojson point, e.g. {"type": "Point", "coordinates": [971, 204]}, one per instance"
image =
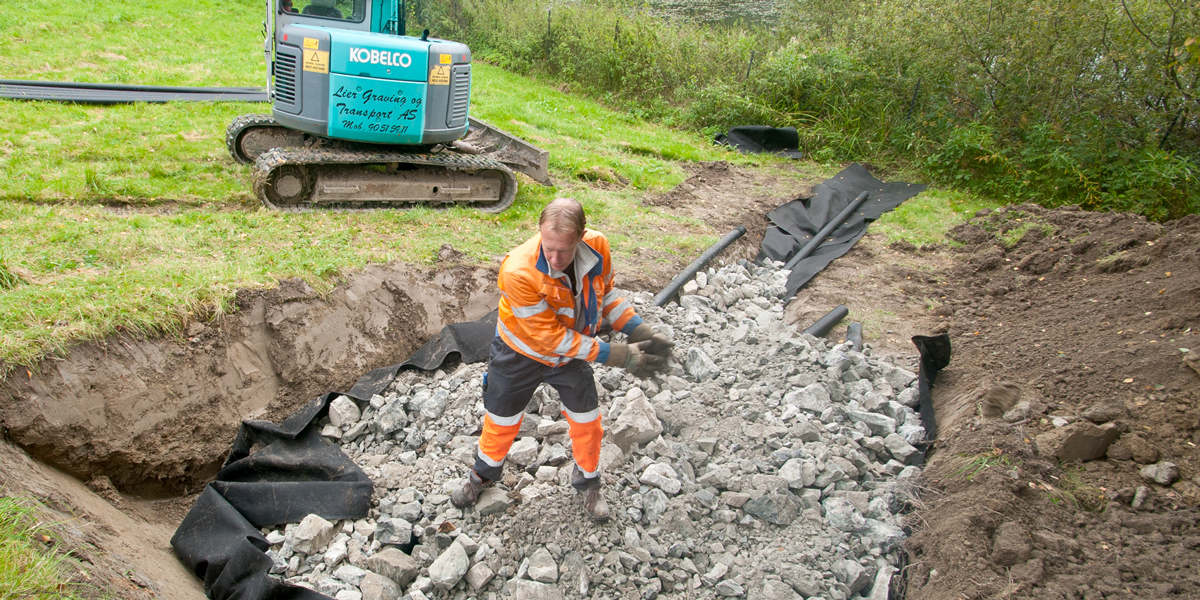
{"type": "Point", "coordinates": [854, 335]}
{"type": "Point", "coordinates": [826, 230]}
{"type": "Point", "coordinates": [669, 292]}
{"type": "Point", "coordinates": [825, 323]}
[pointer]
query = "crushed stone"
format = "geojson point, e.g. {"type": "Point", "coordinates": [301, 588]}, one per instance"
{"type": "Point", "coordinates": [764, 464]}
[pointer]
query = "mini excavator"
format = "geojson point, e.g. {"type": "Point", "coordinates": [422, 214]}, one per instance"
{"type": "Point", "coordinates": [365, 116]}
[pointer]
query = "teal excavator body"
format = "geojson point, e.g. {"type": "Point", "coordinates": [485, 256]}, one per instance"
{"type": "Point", "coordinates": [344, 69]}
{"type": "Point", "coordinates": [364, 116]}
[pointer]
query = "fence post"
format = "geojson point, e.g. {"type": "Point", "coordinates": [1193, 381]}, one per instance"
{"type": "Point", "coordinates": [548, 34]}
{"type": "Point", "coordinates": [749, 66]}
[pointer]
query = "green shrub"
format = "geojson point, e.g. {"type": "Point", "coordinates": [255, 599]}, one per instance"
{"type": "Point", "coordinates": [1078, 102]}
{"type": "Point", "coordinates": [973, 157]}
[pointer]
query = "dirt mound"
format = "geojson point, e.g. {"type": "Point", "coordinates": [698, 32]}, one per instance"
{"type": "Point", "coordinates": [156, 416]}
{"type": "Point", "coordinates": [1072, 318]}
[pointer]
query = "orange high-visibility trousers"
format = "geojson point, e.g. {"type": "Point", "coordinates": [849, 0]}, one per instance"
{"type": "Point", "coordinates": [511, 381]}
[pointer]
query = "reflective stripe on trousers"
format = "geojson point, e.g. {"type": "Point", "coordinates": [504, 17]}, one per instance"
{"type": "Point", "coordinates": [512, 380]}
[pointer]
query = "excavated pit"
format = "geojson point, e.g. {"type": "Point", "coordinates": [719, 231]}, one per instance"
{"type": "Point", "coordinates": [155, 417]}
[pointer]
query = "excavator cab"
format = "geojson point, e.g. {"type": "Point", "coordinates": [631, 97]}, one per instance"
{"type": "Point", "coordinates": [345, 70]}
{"type": "Point", "coordinates": [329, 9]}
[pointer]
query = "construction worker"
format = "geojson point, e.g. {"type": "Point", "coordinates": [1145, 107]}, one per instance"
{"type": "Point", "coordinates": [556, 290]}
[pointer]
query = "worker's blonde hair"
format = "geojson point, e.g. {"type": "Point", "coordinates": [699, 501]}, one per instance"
{"type": "Point", "coordinates": [564, 215]}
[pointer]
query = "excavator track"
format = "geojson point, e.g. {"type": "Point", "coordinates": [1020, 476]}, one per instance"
{"type": "Point", "coordinates": [249, 136]}
{"type": "Point", "coordinates": [299, 179]}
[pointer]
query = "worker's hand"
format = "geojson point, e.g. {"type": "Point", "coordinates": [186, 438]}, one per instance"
{"type": "Point", "coordinates": [660, 344]}
{"type": "Point", "coordinates": [635, 359]}
{"type": "Point", "coordinates": [648, 363]}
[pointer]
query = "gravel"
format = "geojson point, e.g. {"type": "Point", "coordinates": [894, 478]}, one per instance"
{"type": "Point", "coordinates": [764, 464]}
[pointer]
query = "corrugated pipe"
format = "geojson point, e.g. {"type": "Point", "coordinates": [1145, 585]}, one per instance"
{"type": "Point", "coordinates": [669, 292]}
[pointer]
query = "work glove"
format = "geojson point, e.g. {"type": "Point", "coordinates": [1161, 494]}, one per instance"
{"type": "Point", "coordinates": [635, 359]}
{"type": "Point", "coordinates": [660, 344]}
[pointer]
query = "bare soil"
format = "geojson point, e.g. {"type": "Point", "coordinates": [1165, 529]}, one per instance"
{"type": "Point", "coordinates": [1070, 311]}
{"type": "Point", "coordinates": [1061, 308]}
{"type": "Point", "coordinates": [115, 547]}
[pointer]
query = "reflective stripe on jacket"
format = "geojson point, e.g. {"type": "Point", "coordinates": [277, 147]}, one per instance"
{"type": "Point", "coordinates": [541, 319]}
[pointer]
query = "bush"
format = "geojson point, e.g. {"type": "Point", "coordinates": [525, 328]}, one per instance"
{"type": "Point", "coordinates": [1077, 102]}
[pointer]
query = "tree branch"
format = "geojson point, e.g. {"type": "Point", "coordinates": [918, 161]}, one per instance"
{"type": "Point", "coordinates": [1135, 25]}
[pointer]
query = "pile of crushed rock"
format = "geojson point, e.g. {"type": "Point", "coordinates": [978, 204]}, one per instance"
{"type": "Point", "coordinates": [765, 464]}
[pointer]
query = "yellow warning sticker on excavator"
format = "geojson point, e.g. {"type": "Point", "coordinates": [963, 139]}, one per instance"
{"type": "Point", "coordinates": [445, 59]}
{"type": "Point", "coordinates": [312, 43]}
{"type": "Point", "coordinates": [439, 75]}
{"type": "Point", "coordinates": [316, 61]}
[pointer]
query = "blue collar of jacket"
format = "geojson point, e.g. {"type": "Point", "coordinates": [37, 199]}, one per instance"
{"type": "Point", "coordinates": [587, 262]}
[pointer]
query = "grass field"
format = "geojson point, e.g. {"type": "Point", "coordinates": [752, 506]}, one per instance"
{"type": "Point", "coordinates": [133, 218]}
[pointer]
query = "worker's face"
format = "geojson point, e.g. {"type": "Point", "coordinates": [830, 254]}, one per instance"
{"type": "Point", "coordinates": [559, 247]}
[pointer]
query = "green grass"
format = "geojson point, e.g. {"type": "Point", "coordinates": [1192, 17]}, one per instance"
{"type": "Point", "coordinates": [141, 153]}
{"type": "Point", "coordinates": [30, 563]}
{"type": "Point", "coordinates": [926, 218]}
{"type": "Point", "coordinates": [153, 42]}
{"type": "Point", "coordinates": [583, 136]}
{"type": "Point", "coordinates": [1085, 496]}
{"type": "Point", "coordinates": [133, 218]}
{"type": "Point", "coordinates": [1013, 236]}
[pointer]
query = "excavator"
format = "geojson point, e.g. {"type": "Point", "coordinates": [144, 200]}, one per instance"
{"type": "Point", "coordinates": [365, 116]}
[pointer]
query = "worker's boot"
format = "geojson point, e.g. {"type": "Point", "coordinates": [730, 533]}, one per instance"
{"type": "Point", "coordinates": [593, 501]}
{"type": "Point", "coordinates": [470, 491]}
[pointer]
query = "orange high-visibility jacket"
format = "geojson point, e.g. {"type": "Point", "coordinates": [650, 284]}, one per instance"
{"type": "Point", "coordinates": [540, 318]}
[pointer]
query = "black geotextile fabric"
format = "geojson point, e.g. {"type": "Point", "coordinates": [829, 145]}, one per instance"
{"type": "Point", "coordinates": [760, 139]}
{"type": "Point", "coordinates": [293, 473]}
{"type": "Point", "coordinates": [470, 340]}
{"type": "Point", "coordinates": [935, 355]}
{"type": "Point", "coordinates": [794, 224]}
